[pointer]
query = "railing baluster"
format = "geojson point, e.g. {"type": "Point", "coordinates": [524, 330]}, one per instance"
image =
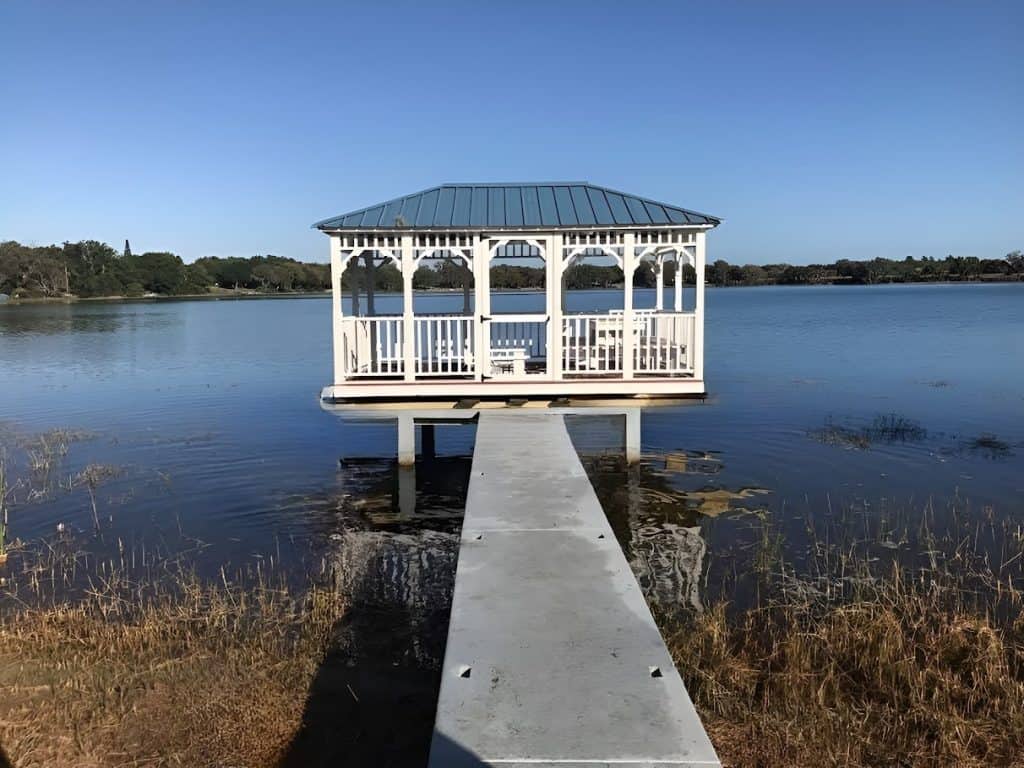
{"type": "Point", "coordinates": [430, 346]}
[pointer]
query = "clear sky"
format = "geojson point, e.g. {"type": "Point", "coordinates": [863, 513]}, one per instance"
{"type": "Point", "coordinates": [816, 130]}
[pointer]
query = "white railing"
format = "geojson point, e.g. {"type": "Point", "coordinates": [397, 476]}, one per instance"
{"type": "Point", "coordinates": [372, 346]}
{"type": "Point", "coordinates": [592, 344]}
{"type": "Point", "coordinates": [664, 345]}
{"type": "Point", "coordinates": [444, 346]}
{"type": "Point", "coordinates": [517, 345]}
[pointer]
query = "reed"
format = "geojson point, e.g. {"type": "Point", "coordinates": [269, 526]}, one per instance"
{"type": "Point", "coordinates": [863, 662]}
{"type": "Point", "coordinates": [174, 672]}
{"type": "Point", "coordinates": [4, 493]}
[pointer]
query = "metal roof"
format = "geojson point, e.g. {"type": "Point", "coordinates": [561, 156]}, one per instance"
{"type": "Point", "coordinates": [553, 205]}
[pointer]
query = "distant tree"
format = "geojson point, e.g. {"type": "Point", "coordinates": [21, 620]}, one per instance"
{"type": "Point", "coordinates": [127, 251]}
{"type": "Point", "coordinates": [718, 273]}
{"type": "Point", "coordinates": [161, 272]}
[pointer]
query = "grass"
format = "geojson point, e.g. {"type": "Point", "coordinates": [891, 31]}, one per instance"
{"type": "Point", "coordinates": [182, 674]}
{"type": "Point", "coordinates": [5, 492]}
{"type": "Point", "coordinates": [867, 663]}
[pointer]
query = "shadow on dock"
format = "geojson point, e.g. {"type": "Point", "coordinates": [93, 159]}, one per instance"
{"type": "Point", "coordinates": [372, 701]}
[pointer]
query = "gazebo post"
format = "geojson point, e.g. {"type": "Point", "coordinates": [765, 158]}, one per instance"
{"type": "Point", "coordinates": [628, 267]}
{"type": "Point", "coordinates": [467, 275]}
{"type": "Point", "coordinates": [357, 277]}
{"type": "Point", "coordinates": [337, 326]}
{"type": "Point", "coordinates": [659, 300]}
{"type": "Point", "coordinates": [677, 283]}
{"type": "Point", "coordinates": [371, 279]}
{"type": "Point", "coordinates": [555, 305]}
{"type": "Point", "coordinates": [482, 288]}
{"type": "Point", "coordinates": [408, 317]}
{"type": "Point", "coordinates": [698, 319]}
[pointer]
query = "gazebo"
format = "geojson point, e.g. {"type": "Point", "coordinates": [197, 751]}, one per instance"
{"type": "Point", "coordinates": [487, 344]}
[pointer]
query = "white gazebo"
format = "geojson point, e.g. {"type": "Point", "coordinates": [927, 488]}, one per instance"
{"type": "Point", "coordinates": [482, 345]}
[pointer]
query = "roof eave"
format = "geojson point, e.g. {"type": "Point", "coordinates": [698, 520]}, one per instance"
{"type": "Point", "coordinates": [540, 228]}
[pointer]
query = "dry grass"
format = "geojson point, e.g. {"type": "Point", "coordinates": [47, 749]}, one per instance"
{"type": "Point", "coordinates": [891, 669]}
{"type": "Point", "coordinates": [188, 674]}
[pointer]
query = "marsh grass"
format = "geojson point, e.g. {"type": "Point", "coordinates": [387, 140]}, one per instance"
{"type": "Point", "coordinates": [861, 661]}
{"type": "Point", "coordinates": [174, 671]}
{"type": "Point", "coordinates": [5, 492]}
{"type": "Point", "coordinates": [884, 428]}
{"type": "Point", "coordinates": [990, 446]}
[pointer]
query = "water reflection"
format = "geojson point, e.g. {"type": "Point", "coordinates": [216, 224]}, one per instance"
{"type": "Point", "coordinates": [393, 548]}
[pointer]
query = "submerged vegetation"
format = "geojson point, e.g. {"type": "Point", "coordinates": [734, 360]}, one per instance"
{"type": "Point", "coordinates": [887, 428]}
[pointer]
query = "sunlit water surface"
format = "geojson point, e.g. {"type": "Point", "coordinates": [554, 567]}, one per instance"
{"type": "Point", "coordinates": [875, 416]}
{"type": "Point", "coordinates": [886, 399]}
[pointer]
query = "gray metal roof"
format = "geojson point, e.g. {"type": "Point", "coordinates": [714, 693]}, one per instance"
{"type": "Point", "coordinates": [553, 205]}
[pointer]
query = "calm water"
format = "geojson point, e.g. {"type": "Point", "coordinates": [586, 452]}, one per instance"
{"type": "Point", "coordinates": [874, 415]}
{"type": "Point", "coordinates": [822, 400]}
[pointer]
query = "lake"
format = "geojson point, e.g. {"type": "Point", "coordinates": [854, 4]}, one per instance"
{"type": "Point", "coordinates": [822, 400]}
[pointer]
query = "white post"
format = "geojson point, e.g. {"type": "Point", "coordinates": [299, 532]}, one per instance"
{"type": "Point", "coordinates": [467, 276]}
{"type": "Point", "coordinates": [659, 301]}
{"type": "Point", "coordinates": [677, 284]}
{"type": "Point", "coordinates": [482, 288]}
{"type": "Point", "coordinates": [406, 440]}
{"type": "Point", "coordinates": [408, 318]}
{"type": "Point", "coordinates": [628, 267]}
{"type": "Point", "coordinates": [698, 351]}
{"type": "Point", "coordinates": [337, 327]}
{"type": "Point", "coordinates": [555, 305]}
{"type": "Point", "coordinates": [632, 435]}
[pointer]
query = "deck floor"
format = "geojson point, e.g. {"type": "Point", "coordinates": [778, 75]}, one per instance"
{"type": "Point", "coordinates": [553, 657]}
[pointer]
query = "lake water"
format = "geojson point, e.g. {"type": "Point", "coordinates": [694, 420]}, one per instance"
{"type": "Point", "coordinates": [883, 417]}
{"type": "Point", "coordinates": [884, 400]}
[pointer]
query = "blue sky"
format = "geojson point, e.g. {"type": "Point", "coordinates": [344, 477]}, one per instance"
{"type": "Point", "coordinates": [816, 130]}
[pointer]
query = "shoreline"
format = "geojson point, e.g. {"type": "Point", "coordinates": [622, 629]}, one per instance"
{"type": "Point", "coordinates": [246, 294]}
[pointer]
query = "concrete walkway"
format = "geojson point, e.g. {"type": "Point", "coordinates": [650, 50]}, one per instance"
{"type": "Point", "coordinates": [553, 657]}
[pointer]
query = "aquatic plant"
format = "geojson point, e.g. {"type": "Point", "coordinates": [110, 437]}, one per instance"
{"type": "Point", "coordinates": [990, 446]}
{"type": "Point", "coordinates": [859, 661]}
{"type": "Point", "coordinates": [3, 507]}
{"type": "Point", "coordinates": [887, 428]}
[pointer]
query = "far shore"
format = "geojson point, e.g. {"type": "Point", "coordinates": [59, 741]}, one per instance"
{"type": "Point", "coordinates": [227, 293]}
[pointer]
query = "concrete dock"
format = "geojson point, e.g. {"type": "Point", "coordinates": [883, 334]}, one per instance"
{"type": "Point", "coordinates": [553, 657]}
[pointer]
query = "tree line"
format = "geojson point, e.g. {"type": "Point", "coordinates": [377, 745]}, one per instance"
{"type": "Point", "coordinates": [874, 271]}
{"type": "Point", "coordinates": [91, 269]}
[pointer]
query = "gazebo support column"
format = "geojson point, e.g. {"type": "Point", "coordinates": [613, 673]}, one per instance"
{"type": "Point", "coordinates": [406, 440]}
{"type": "Point", "coordinates": [632, 429]}
{"type": "Point", "coordinates": [337, 326]}
{"type": "Point", "coordinates": [628, 267]}
{"type": "Point", "coordinates": [408, 317]}
{"type": "Point", "coordinates": [659, 300]}
{"type": "Point", "coordinates": [698, 331]}
{"type": "Point", "coordinates": [677, 283]}
{"type": "Point", "coordinates": [356, 281]}
{"type": "Point", "coordinates": [467, 277]}
{"type": "Point", "coordinates": [371, 279]}
{"type": "Point", "coordinates": [482, 289]}
{"type": "Point", "coordinates": [556, 304]}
